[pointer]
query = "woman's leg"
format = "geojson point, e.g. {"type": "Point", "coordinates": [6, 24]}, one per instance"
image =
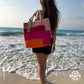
{"type": "Point", "coordinates": [45, 59]}
{"type": "Point", "coordinates": [41, 66]}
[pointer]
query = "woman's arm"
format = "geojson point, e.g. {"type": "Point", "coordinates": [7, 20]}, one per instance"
{"type": "Point", "coordinates": [54, 40]}
{"type": "Point", "coordinates": [54, 36]}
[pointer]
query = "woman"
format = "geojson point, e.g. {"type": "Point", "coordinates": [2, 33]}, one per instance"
{"type": "Point", "coordinates": [49, 10]}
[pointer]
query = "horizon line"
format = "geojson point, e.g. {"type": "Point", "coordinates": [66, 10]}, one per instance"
{"type": "Point", "coordinates": [57, 29]}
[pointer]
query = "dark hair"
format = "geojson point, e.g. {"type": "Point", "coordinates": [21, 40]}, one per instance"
{"type": "Point", "coordinates": [50, 10]}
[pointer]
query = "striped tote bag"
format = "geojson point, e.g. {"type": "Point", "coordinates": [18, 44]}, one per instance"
{"type": "Point", "coordinates": [38, 33]}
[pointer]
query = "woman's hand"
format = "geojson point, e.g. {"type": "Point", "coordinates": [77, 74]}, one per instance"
{"type": "Point", "coordinates": [36, 12]}
{"type": "Point", "coordinates": [53, 48]}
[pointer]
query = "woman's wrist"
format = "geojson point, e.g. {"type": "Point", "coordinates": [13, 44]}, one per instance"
{"type": "Point", "coordinates": [53, 43]}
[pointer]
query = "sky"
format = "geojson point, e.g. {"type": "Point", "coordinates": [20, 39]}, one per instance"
{"type": "Point", "coordinates": [13, 13]}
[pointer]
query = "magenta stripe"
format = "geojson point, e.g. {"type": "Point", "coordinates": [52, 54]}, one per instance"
{"type": "Point", "coordinates": [45, 35]}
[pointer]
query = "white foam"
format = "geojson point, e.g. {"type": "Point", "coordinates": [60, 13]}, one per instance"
{"type": "Point", "coordinates": [15, 58]}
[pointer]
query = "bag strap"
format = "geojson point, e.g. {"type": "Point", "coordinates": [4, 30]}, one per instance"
{"type": "Point", "coordinates": [31, 19]}
{"type": "Point", "coordinates": [40, 13]}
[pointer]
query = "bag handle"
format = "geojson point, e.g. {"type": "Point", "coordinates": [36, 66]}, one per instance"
{"type": "Point", "coordinates": [31, 19]}
{"type": "Point", "coordinates": [40, 12]}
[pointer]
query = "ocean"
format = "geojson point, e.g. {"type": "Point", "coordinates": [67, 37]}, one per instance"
{"type": "Point", "coordinates": [4, 31]}
{"type": "Point", "coordinates": [15, 58]}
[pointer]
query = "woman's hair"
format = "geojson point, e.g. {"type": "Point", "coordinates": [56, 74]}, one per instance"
{"type": "Point", "coordinates": [50, 11]}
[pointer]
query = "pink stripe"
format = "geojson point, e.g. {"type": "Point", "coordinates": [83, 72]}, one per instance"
{"type": "Point", "coordinates": [44, 22]}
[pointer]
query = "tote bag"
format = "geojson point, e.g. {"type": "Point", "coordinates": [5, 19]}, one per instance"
{"type": "Point", "coordinates": [38, 33]}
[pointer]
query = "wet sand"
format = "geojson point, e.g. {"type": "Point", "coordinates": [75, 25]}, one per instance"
{"type": "Point", "coordinates": [55, 77]}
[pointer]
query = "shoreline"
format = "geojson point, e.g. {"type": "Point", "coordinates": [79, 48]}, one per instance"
{"type": "Point", "coordinates": [55, 77]}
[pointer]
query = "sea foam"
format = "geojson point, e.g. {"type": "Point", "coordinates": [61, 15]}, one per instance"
{"type": "Point", "coordinates": [15, 58]}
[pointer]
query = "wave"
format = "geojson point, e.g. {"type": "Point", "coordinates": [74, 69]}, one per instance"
{"type": "Point", "coordinates": [8, 33]}
{"type": "Point", "coordinates": [15, 33]}
{"type": "Point", "coordinates": [70, 34]}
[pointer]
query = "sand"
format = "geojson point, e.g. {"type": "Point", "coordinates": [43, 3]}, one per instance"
{"type": "Point", "coordinates": [55, 77]}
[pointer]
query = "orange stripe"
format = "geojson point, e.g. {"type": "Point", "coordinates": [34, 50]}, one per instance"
{"type": "Point", "coordinates": [34, 43]}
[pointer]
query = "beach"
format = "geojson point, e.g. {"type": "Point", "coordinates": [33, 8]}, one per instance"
{"type": "Point", "coordinates": [56, 77]}
{"type": "Point", "coordinates": [20, 63]}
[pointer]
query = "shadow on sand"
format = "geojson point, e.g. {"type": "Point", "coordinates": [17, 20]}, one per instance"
{"type": "Point", "coordinates": [48, 82]}
{"type": "Point", "coordinates": [49, 73]}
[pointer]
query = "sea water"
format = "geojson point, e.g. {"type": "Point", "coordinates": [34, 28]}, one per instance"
{"type": "Point", "coordinates": [15, 58]}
